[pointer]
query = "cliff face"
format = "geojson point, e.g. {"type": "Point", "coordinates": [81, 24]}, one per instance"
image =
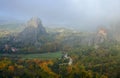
{"type": "Point", "coordinates": [101, 36]}
{"type": "Point", "coordinates": [33, 32]}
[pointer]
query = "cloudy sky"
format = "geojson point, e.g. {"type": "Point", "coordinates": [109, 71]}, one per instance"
{"type": "Point", "coordinates": [77, 13]}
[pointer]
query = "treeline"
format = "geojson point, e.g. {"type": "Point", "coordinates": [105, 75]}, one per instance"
{"type": "Point", "coordinates": [43, 69]}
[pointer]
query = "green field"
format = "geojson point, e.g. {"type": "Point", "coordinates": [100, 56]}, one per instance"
{"type": "Point", "coordinates": [43, 56]}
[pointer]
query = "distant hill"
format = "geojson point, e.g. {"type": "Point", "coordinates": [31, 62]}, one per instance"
{"type": "Point", "coordinates": [11, 27]}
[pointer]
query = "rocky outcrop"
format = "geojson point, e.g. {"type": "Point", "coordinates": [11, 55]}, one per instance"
{"type": "Point", "coordinates": [33, 32]}
{"type": "Point", "coordinates": [101, 36]}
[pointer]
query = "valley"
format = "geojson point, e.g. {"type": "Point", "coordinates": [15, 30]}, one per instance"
{"type": "Point", "coordinates": [39, 52]}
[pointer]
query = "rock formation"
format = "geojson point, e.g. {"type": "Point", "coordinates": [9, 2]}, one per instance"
{"type": "Point", "coordinates": [100, 37]}
{"type": "Point", "coordinates": [33, 32]}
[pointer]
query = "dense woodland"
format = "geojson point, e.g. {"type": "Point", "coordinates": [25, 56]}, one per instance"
{"type": "Point", "coordinates": [87, 63]}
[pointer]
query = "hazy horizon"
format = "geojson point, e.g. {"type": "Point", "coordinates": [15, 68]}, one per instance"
{"type": "Point", "coordinates": [82, 14]}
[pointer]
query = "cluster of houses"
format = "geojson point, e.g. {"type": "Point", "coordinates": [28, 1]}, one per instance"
{"type": "Point", "coordinates": [8, 48]}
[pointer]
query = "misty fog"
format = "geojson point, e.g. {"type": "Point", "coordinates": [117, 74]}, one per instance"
{"type": "Point", "coordinates": [78, 14]}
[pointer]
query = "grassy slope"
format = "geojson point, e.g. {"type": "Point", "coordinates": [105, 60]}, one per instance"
{"type": "Point", "coordinates": [43, 56]}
